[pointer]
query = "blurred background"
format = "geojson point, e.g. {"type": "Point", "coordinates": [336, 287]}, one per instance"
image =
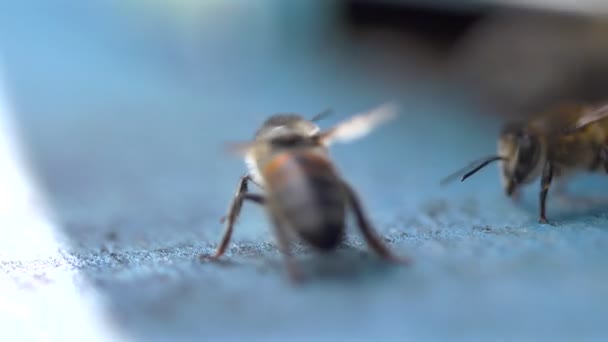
{"type": "Point", "coordinates": [121, 109]}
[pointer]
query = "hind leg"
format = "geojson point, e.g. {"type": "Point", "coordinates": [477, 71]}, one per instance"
{"type": "Point", "coordinates": [372, 239]}
{"type": "Point", "coordinates": [293, 270]}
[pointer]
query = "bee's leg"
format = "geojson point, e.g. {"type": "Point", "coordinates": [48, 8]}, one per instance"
{"type": "Point", "coordinates": [234, 211]}
{"type": "Point", "coordinates": [604, 157]}
{"type": "Point", "coordinates": [516, 195]}
{"type": "Point", "coordinates": [372, 239]}
{"type": "Point", "coordinates": [545, 183]}
{"type": "Point", "coordinates": [249, 179]}
{"type": "Point", "coordinates": [295, 274]}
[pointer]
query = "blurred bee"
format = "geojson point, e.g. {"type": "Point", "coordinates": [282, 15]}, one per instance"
{"type": "Point", "coordinates": [302, 191]}
{"type": "Point", "coordinates": [567, 139]}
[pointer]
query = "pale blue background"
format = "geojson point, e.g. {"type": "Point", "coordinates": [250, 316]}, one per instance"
{"type": "Point", "coordinates": [124, 111]}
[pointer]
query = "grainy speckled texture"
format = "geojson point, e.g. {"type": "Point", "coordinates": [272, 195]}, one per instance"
{"type": "Point", "coordinates": [125, 134]}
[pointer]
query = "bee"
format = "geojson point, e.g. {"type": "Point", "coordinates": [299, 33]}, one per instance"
{"type": "Point", "coordinates": [554, 144]}
{"type": "Point", "coordinates": [302, 192]}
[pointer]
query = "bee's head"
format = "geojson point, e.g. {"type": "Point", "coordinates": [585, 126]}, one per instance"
{"type": "Point", "coordinates": [521, 151]}
{"type": "Point", "coordinates": [287, 129]}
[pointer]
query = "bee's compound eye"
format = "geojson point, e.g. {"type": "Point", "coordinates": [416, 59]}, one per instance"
{"type": "Point", "coordinates": [524, 140]}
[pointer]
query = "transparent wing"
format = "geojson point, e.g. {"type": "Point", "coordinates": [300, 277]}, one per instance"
{"type": "Point", "coordinates": [359, 125]}
{"type": "Point", "coordinates": [241, 148]}
{"type": "Point", "coordinates": [592, 116]}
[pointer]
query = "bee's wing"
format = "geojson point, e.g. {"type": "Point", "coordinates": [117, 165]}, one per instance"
{"type": "Point", "coordinates": [359, 125]}
{"type": "Point", "coordinates": [592, 116]}
{"type": "Point", "coordinates": [239, 148]}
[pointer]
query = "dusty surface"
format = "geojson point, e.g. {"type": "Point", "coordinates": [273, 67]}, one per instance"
{"type": "Point", "coordinates": [124, 133]}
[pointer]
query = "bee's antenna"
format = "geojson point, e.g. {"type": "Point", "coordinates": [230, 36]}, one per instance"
{"type": "Point", "coordinates": [322, 115]}
{"type": "Point", "coordinates": [470, 169]}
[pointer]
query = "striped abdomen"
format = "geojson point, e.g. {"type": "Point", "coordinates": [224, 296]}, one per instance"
{"type": "Point", "coordinates": [304, 189]}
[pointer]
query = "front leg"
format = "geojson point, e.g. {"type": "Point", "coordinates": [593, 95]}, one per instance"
{"type": "Point", "coordinates": [516, 195]}
{"type": "Point", "coordinates": [604, 156]}
{"type": "Point", "coordinates": [365, 226]}
{"type": "Point", "coordinates": [545, 183]}
{"type": "Point", "coordinates": [234, 211]}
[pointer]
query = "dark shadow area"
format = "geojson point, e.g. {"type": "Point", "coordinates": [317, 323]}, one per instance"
{"type": "Point", "coordinates": [440, 26]}
{"type": "Point", "coordinates": [344, 265]}
{"type": "Point", "coordinates": [347, 264]}
{"type": "Point", "coordinates": [565, 206]}
{"type": "Point", "coordinates": [575, 208]}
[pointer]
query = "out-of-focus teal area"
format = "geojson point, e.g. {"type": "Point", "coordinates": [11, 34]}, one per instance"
{"type": "Point", "coordinates": [124, 108]}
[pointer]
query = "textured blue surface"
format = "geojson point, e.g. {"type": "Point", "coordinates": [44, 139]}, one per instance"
{"type": "Point", "coordinates": [125, 123]}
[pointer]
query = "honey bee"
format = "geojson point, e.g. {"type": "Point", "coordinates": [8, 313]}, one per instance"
{"type": "Point", "coordinates": [554, 144]}
{"type": "Point", "coordinates": [303, 193]}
